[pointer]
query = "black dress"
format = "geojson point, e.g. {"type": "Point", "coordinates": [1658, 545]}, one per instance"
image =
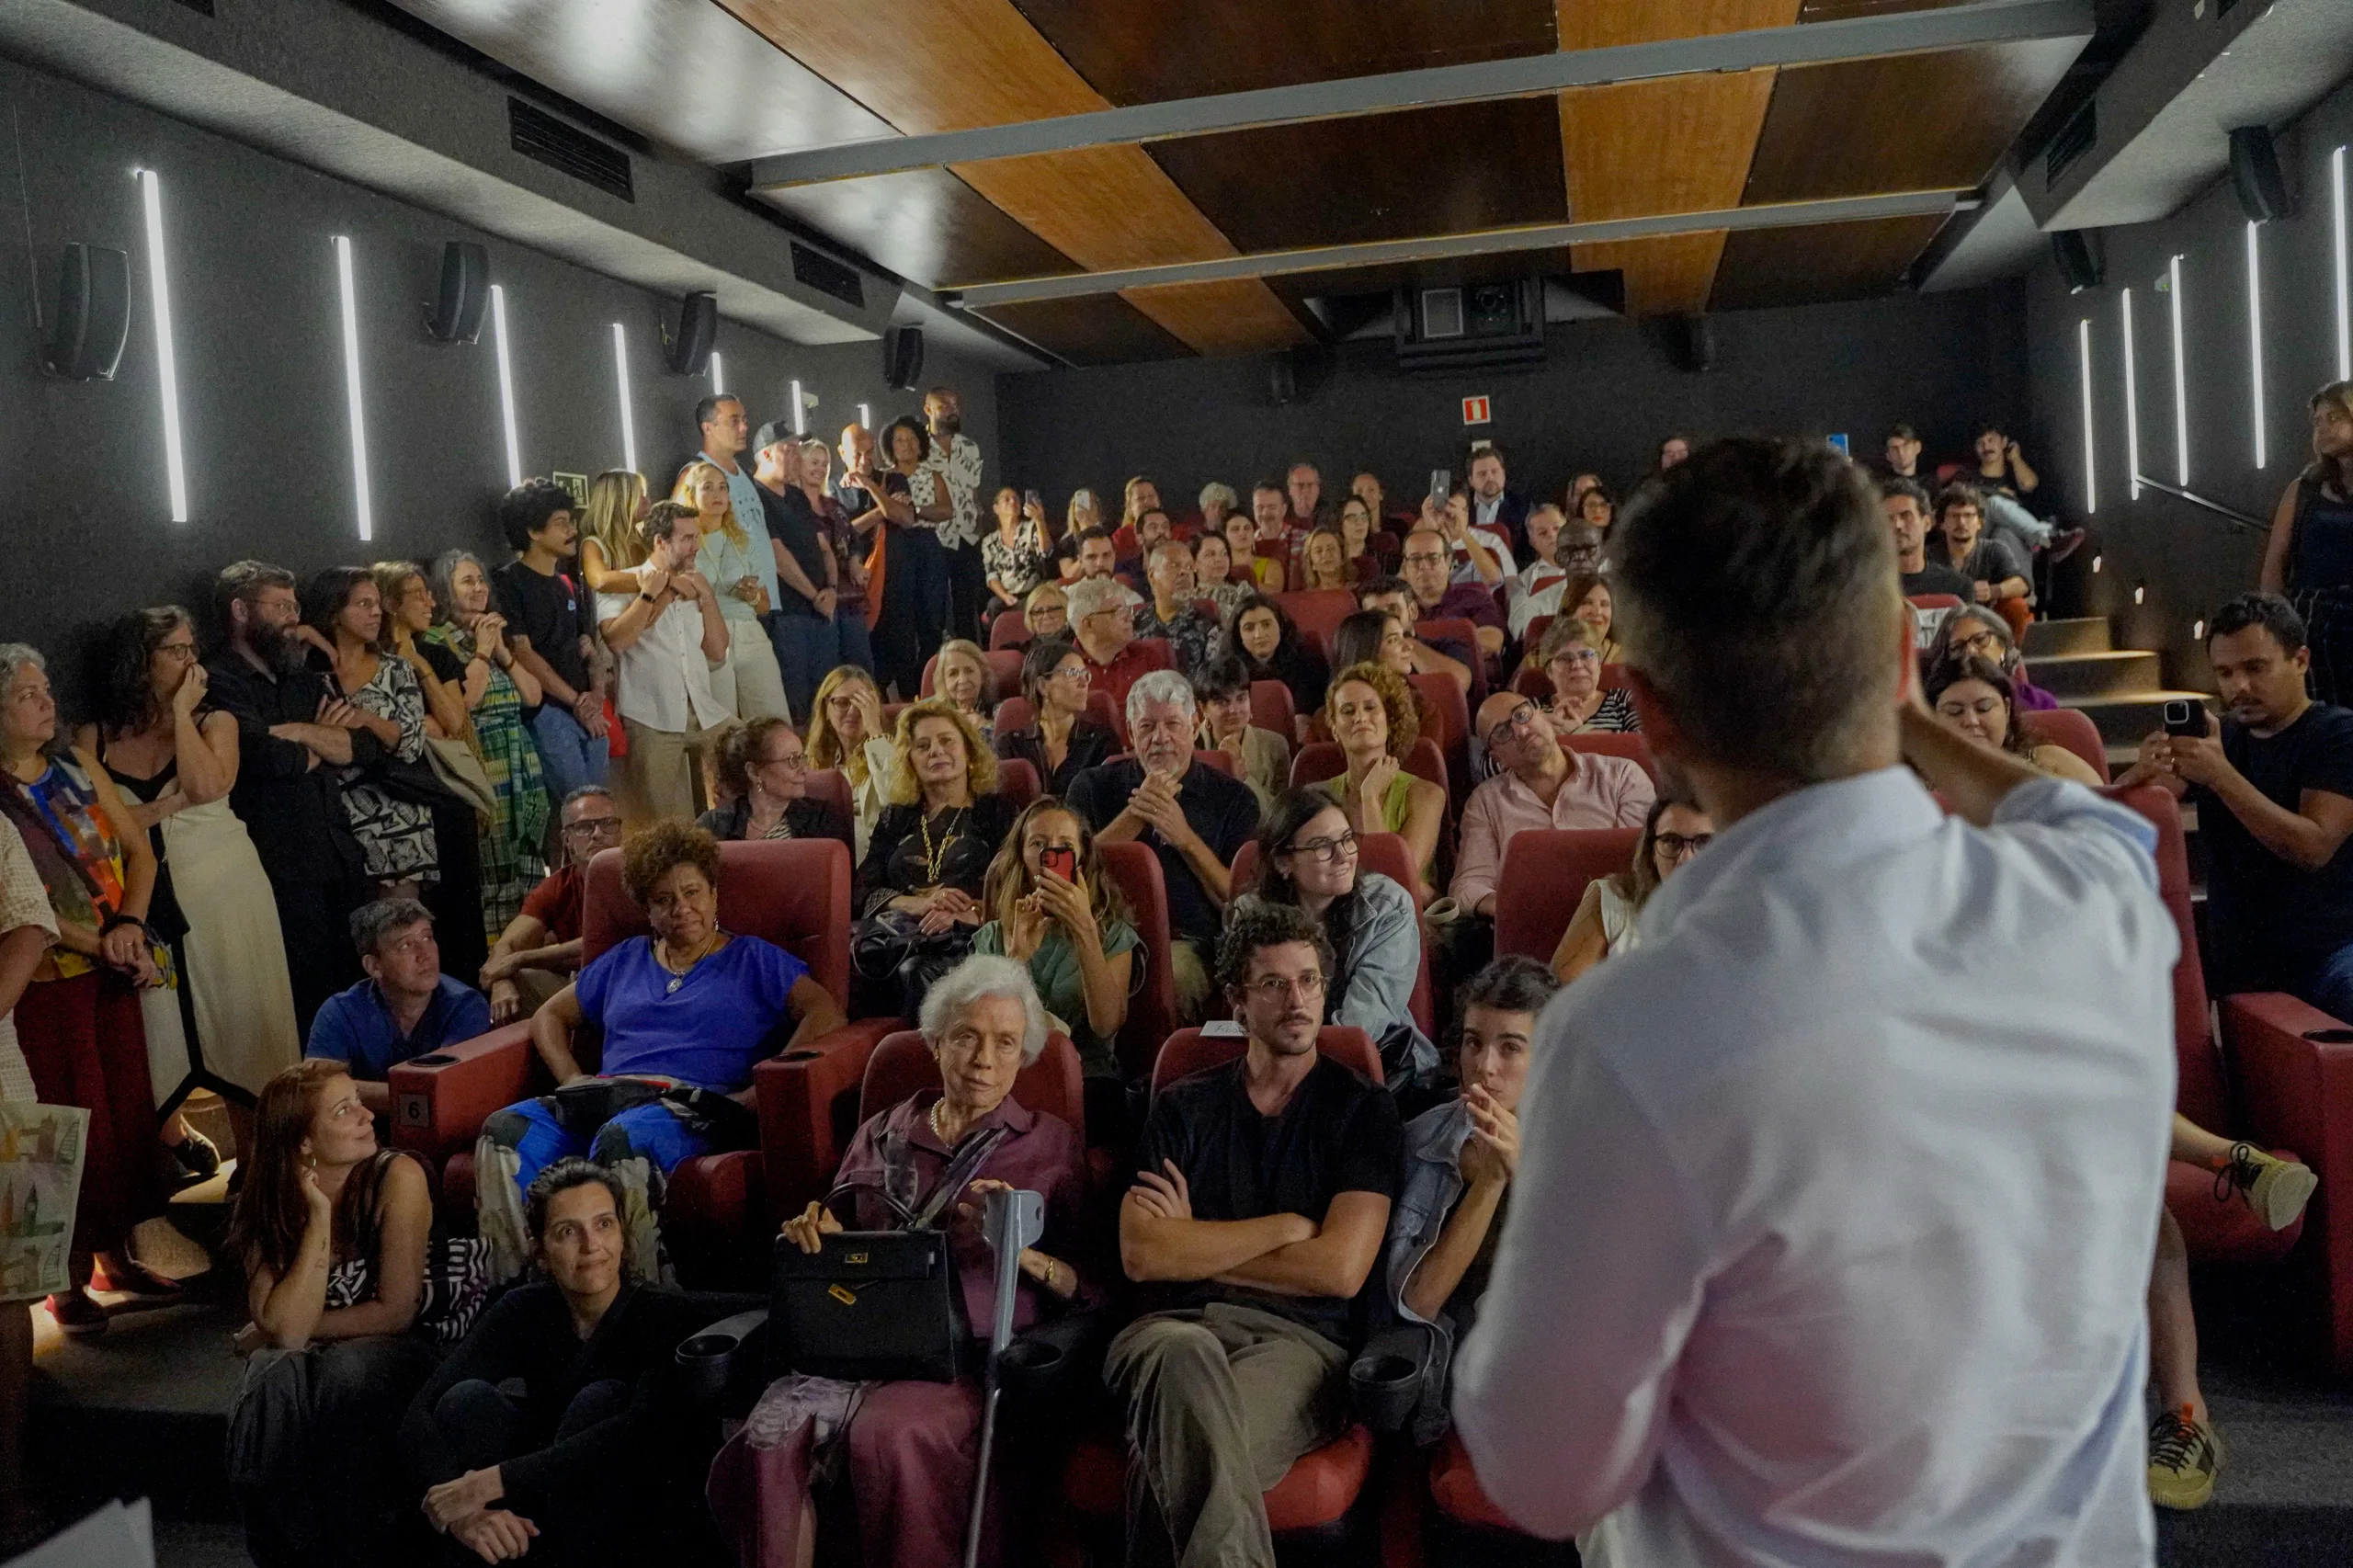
{"type": "Point", "coordinates": [908, 851]}
{"type": "Point", "coordinates": [1088, 744]}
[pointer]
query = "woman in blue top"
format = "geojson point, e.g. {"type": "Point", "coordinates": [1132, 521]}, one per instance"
{"type": "Point", "coordinates": [686, 1013]}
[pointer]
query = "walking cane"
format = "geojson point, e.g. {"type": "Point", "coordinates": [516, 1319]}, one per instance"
{"type": "Point", "coordinates": [1012, 1221]}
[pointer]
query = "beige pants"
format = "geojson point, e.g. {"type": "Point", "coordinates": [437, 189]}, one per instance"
{"type": "Point", "coordinates": [662, 775]}
{"type": "Point", "coordinates": [750, 681]}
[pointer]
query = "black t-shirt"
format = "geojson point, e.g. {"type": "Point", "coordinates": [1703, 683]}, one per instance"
{"type": "Point", "coordinates": [792, 525]}
{"type": "Point", "coordinates": [1935, 577]}
{"type": "Point", "coordinates": [2271, 921]}
{"type": "Point", "coordinates": [547, 612]}
{"type": "Point", "coordinates": [447, 668]}
{"type": "Point", "coordinates": [1338, 1134]}
{"type": "Point", "coordinates": [1218, 806]}
{"type": "Point", "coordinates": [1989, 561]}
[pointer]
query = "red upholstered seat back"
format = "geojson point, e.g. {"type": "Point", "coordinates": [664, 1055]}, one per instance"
{"type": "Point", "coordinates": [2066, 727]}
{"type": "Point", "coordinates": [1613, 676]}
{"type": "Point", "coordinates": [1271, 709]}
{"type": "Point", "coordinates": [1015, 713]}
{"type": "Point", "coordinates": [903, 1066]}
{"type": "Point", "coordinates": [1152, 1004]}
{"type": "Point", "coordinates": [1317, 612]}
{"type": "Point", "coordinates": [1017, 781]}
{"type": "Point", "coordinates": [792, 891]}
{"type": "Point", "coordinates": [1454, 628]}
{"type": "Point", "coordinates": [1633, 748]}
{"type": "Point", "coordinates": [1533, 638]}
{"type": "Point", "coordinates": [1189, 1051]}
{"type": "Point", "coordinates": [1319, 760]}
{"type": "Point", "coordinates": [1447, 712]}
{"type": "Point", "coordinates": [1544, 875]}
{"type": "Point", "coordinates": [1008, 631]}
{"type": "Point", "coordinates": [1107, 713]}
{"type": "Point", "coordinates": [830, 785]}
{"type": "Point", "coordinates": [1935, 601]}
{"type": "Point", "coordinates": [2201, 1094]}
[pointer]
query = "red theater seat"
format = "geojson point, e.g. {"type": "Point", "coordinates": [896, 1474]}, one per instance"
{"type": "Point", "coordinates": [1632, 747]}
{"type": "Point", "coordinates": [1151, 998]}
{"type": "Point", "coordinates": [1935, 601]}
{"type": "Point", "coordinates": [1543, 877]}
{"type": "Point", "coordinates": [1446, 718]}
{"type": "Point", "coordinates": [2070, 728]}
{"type": "Point", "coordinates": [2293, 1064]}
{"type": "Point", "coordinates": [1008, 633]}
{"type": "Point", "coordinates": [1317, 612]}
{"type": "Point", "coordinates": [1017, 781]}
{"type": "Point", "coordinates": [1455, 1491]}
{"type": "Point", "coordinates": [1271, 709]}
{"type": "Point", "coordinates": [1015, 713]}
{"type": "Point", "coordinates": [830, 785]}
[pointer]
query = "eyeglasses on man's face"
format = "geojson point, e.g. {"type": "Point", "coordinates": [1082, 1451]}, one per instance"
{"type": "Point", "coordinates": [1517, 721]}
{"type": "Point", "coordinates": [1424, 558]}
{"type": "Point", "coordinates": [1276, 987]}
{"type": "Point", "coordinates": [592, 829]}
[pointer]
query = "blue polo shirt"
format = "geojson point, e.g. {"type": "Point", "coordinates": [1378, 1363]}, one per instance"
{"type": "Point", "coordinates": [709, 1031]}
{"type": "Point", "coordinates": [356, 1026]}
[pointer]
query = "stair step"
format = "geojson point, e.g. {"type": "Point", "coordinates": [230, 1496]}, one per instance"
{"type": "Point", "coordinates": [2080, 634]}
{"type": "Point", "coordinates": [2115, 673]}
{"type": "Point", "coordinates": [2124, 718]}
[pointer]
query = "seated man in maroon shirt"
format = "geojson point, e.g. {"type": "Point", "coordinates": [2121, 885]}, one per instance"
{"type": "Point", "coordinates": [539, 952]}
{"type": "Point", "coordinates": [1102, 614]}
{"type": "Point", "coordinates": [1427, 567]}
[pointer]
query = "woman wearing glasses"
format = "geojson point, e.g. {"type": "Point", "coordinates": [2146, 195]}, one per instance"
{"type": "Point", "coordinates": [1604, 923]}
{"type": "Point", "coordinates": [764, 770]}
{"type": "Point", "coordinates": [1572, 655]}
{"type": "Point", "coordinates": [1979, 629]}
{"type": "Point", "coordinates": [1309, 855]}
{"type": "Point", "coordinates": [1061, 742]}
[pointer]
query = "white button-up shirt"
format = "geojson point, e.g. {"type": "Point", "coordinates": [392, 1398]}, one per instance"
{"type": "Point", "coordinates": [1831, 1235]}
{"type": "Point", "coordinates": [661, 679]}
{"type": "Point", "coordinates": [958, 463]}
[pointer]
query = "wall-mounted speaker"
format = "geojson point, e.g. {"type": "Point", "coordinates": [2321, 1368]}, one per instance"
{"type": "Point", "coordinates": [2080, 258]}
{"type": "Point", "coordinates": [903, 358]}
{"type": "Point", "coordinates": [1695, 343]}
{"type": "Point", "coordinates": [2255, 171]}
{"type": "Point", "coordinates": [690, 348]}
{"type": "Point", "coordinates": [454, 314]}
{"type": "Point", "coordinates": [93, 314]}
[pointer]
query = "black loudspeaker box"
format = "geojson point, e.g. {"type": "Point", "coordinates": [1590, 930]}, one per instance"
{"type": "Point", "coordinates": [93, 313]}
{"type": "Point", "coordinates": [697, 331]}
{"type": "Point", "coordinates": [455, 313]}
{"type": "Point", "coordinates": [1695, 343]}
{"type": "Point", "coordinates": [903, 358]}
{"type": "Point", "coordinates": [2255, 171]}
{"type": "Point", "coordinates": [2078, 253]}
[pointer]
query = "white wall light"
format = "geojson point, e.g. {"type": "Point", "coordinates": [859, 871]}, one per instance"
{"type": "Point", "coordinates": [718, 376]}
{"type": "Point", "coordinates": [506, 385]}
{"type": "Point", "coordinates": [2140, 593]}
{"type": "Point", "coordinates": [621, 386]}
{"type": "Point", "coordinates": [2254, 335]}
{"type": "Point", "coordinates": [168, 365]}
{"type": "Point", "coordinates": [2180, 378]}
{"type": "Point", "coordinates": [2091, 468]}
{"type": "Point", "coordinates": [351, 397]}
{"type": "Point", "coordinates": [2198, 631]}
{"type": "Point", "coordinates": [2344, 298]}
{"type": "Point", "coordinates": [799, 412]}
{"type": "Point", "coordinates": [2131, 409]}
{"type": "Point", "coordinates": [866, 410]}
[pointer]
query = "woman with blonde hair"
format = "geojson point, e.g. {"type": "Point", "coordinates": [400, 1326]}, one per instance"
{"type": "Point", "coordinates": [1323, 559]}
{"type": "Point", "coordinates": [1046, 611]}
{"type": "Point", "coordinates": [961, 675]}
{"type": "Point", "coordinates": [846, 731]}
{"type": "Point", "coordinates": [751, 682]}
{"type": "Point", "coordinates": [1571, 661]}
{"type": "Point", "coordinates": [610, 544]}
{"type": "Point", "coordinates": [1371, 711]}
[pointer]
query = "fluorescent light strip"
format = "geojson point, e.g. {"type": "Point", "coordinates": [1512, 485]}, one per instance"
{"type": "Point", "coordinates": [506, 385]}
{"type": "Point", "coordinates": [866, 415]}
{"type": "Point", "coordinates": [167, 364]}
{"type": "Point", "coordinates": [620, 385]}
{"type": "Point", "coordinates": [800, 415]}
{"type": "Point", "coordinates": [2132, 411]}
{"type": "Point", "coordinates": [718, 376]}
{"type": "Point", "coordinates": [2254, 335]}
{"type": "Point", "coordinates": [2344, 300]}
{"type": "Point", "coordinates": [352, 386]}
{"type": "Point", "coordinates": [2180, 377]}
{"type": "Point", "coordinates": [2091, 468]}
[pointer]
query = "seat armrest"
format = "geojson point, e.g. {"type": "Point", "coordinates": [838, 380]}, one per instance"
{"type": "Point", "coordinates": [1385, 1379]}
{"type": "Point", "coordinates": [2297, 1093]}
{"type": "Point", "coordinates": [796, 1096]}
{"type": "Point", "coordinates": [725, 1356]}
{"type": "Point", "coordinates": [441, 1099]}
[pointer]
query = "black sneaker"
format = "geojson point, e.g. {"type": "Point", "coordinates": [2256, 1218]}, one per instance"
{"type": "Point", "coordinates": [195, 1159]}
{"type": "Point", "coordinates": [2064, 543]}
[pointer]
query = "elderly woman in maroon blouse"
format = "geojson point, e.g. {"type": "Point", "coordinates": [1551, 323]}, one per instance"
{"type": "Point", "coordinates": [911, 1445]}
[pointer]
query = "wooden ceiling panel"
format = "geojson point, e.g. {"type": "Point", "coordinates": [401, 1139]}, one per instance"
{"type": "Point", "coordinates": [1240, 315]}
{"type": "Point", "coordinates": [1103, 207]}
{"type": "Point", "coordinates": [1822, 261]}
{"type": "Point", "coordinates": [1675, 144]}
{"type": "Point", "coordinates": [1664, 275]}
{"type": "Point", "coordinates": [1095, 329]}
{"type": "Point", "coordinates": [924, 224]}
{"type": "Point", "coordinates": [1905, 122]}
{"type": "Point", "coordinates": [1137, 51]}
{"type": "Point", "coordinates": [1447, 169]}
{"type": "Point", "coordinates": [1592, 24]}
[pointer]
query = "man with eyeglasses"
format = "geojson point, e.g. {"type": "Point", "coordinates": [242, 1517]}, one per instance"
{"type": "Point", "coordinates": [406, 1007]}
{"type": "Point", "coordinates": [1427, 567]}
{"type": "Point", "coordinates": [1542, 785]}
{"type": "Point", "coordinates": [1260, 1203]}
{"type": "Point", "coordinates": [539, 952]}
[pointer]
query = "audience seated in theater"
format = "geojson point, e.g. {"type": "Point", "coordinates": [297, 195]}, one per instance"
{"type": "Point", "coordinates": [1905, 506]}
{"type": "Point", "coordinates": [1673, 831]}
{"type": "Point", "coordinates": [553, 1431]}
{"type": "Point", "coordinates": [1371, 713]}
{"type": "Point", "coordinates": [173, 755]}
{"type": "Point", "coordinates": [1542, 785]}
{"type": "Point", "coordinates": [1064, 742]}
{"type": "Point", "coordinates": [812, 630]}
{"type": "Point", "coordinates": [1459, 661]}
{"type": "Point", "coordinates": [1270, 647]}
{"type": "Point", "coordinates": [1597, 509]}
{"type": "Point", "coordinates": [539, 952]}
{"type": "Point", "coordinates": [468, 641]}
{"type": "Point", "coordinates": [610, 546]}
{"type": "Point", "coordinates": [550, 619]}
{"type": "Point", "coordinates": [764, 772]}
{"type": "Point", "coordinates": [1308, 856]}
{"type": "Point", "coordinates": [1974, 696]}
{"type": "Point", "coordinates": [2004, 478]}
{"type": "Point", "coordinates": [1274, 539]}
{"type": "Point", "coordinates": [847, 731]}
{"type": "Point", "coordinates": [332, 1229]}
{"type": "Point", "coordinates": [1585, 597]}
{"type": "Point", "coordinates": [1102, 614]}
{"type": "Point", "coordinates": [1535, 589]}
{"type": "Point", "coordinates": [1481, 557]}
{"type": "Point", "coordinates": [1995, 571]}
{"type": "Point", "coordinates": [918, 893]}
{"type": "Point", "coordinates": [1323, 559]}
{"type": "Point", "coordinates": [962, 675]}
{"type": "Point", "coordinates": [1304, 495]}
{"type": "Point", "coordinates": [749, 681]}
{"type": "Point", "coordinates": [78, 1024]}
{"type": "Point", "coordinates": [1171, 614]}
{"type": "Point", "coordinates": [911, 1446]}
{"type": "Point", "coordinates": [669, 640]}
{"type": "Point", "coordinates": [1361, 537]}
{"type": "Point", "coordinates": [2274, 791]}
{"type": "Point", "coordinates": [1981, 631]}
{"type": "Point", "coordinates": [406, 1007]}
{"type": "Point", "coordinates": [1490, 506]}
{"type": "Point", "coordinates": [293, 733]}
{"type": "Point", "coordinates": [1046, 612]}
{"type": "Point", "coordinates": [1218, 504]}
{"type": "Point", "coordinates": [1014, 556]}
{"type": "Point", "coordinates": [1261, 757]}
{"type": "Point", "coordinates": [1193, 817]}
{"type": "Point", "coordinates": [1260, 1202]}
{"type": "Point", "coordinates": [1572, 658]}
{"type": "Point", "coordinates": [685, 1013]}
{"type": "Point", "coordinates": [1426, 566]}
{"type": "Point", "coordinates": [1460, 1158]}
{"type": "Point", "coordinates": [1213, 568]}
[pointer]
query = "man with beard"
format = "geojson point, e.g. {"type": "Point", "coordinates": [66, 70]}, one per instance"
{"type": "Point", "coordinates": [1260, 1202]}
{"type": "Point", "coordinates": [958, 457]}
{"type": "Point", "coordinates": [293, 732]}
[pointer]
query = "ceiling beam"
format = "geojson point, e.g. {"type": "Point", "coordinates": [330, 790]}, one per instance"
{"type": "Point", "coordinates": [1852, 38]}
{"type": "Point", "coordinates": [1443, 247]}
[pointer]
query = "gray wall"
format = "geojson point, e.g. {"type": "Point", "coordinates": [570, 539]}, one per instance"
{"type": "Point", "coordinates": [83, 496]}
{"type": "Point", "coordinates": [1608, 391]}
{"type": "Point", "coordinates": [2184, 559]}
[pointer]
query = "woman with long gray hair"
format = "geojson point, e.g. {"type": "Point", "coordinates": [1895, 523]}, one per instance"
{"type": "Point", "coordinates": [497, 690]}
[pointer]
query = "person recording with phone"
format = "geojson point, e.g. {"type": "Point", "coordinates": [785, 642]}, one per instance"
{"type": "Point", "coordinates": [2275, 790]}
{"type": "Point", "coordinates": [666, 639]}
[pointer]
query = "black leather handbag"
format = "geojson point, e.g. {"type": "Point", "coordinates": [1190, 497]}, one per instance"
{"type": "Point", "coordinates": [879, 1305]}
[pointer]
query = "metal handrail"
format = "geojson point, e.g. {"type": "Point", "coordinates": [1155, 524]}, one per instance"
{"type": "Point", "coordinates": [2231, 514]}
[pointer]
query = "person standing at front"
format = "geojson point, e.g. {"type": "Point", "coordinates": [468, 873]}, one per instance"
{"type": "Point", "coordinates": [667, 639]}
{"type": "Point", "coordinates": [1879, 1296]}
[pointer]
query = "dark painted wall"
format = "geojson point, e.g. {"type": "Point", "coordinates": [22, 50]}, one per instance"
{"type": "Point", "coordinates": [1608, 391]}
{"type": "Point", "coordinates": [84, 506]}
{"type": "Point", "coordinates": [2185, 560]}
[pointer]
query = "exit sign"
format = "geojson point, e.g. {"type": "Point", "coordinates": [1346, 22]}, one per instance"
{"type": "Point", "coordinates": [1475, 410]}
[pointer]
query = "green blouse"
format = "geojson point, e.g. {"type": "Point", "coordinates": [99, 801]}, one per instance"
{"type": "Point", "coordinates": [1062, 985]}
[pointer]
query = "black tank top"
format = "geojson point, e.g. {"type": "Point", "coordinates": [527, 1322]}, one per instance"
{"type": "Point", "coordinates": [164, 916]}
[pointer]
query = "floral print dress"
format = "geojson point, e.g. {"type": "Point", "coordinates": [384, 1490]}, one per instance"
{"type": "Point", "coordinates": [396, 835]}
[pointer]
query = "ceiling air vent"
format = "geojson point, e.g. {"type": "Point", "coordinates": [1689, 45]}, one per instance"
{"type": "Point", "coordinates": [2074, 140]}
{"type": "Point", "coordinates": [538, 135]}
{"type": "Point", "coordinates": [819, 271]}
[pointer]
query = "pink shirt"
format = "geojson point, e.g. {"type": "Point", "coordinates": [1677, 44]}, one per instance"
{"type": "Point", "coordinates": [1603, 791]}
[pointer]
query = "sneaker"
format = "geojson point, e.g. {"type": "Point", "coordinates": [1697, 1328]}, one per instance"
{"type": "Point", "coordinates": [195, 1158]}
{"type": "Point", "coordinates": [2064, 543]}
{"type": "Point", "coordinates": [77, 1315]}
{"type": "Point", "coordinates": [2184, 1457]}
{"type": "Point", "coordinates": [2277, 1190]}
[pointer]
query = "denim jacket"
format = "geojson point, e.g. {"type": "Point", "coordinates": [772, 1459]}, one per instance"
{"type": "Point", "coordinates": [1375, 988]}
{"type": "Point", "coordinates": [1431, 1185]}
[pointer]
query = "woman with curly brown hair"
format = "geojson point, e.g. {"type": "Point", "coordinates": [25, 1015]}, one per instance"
{"type": "Point", "coordinates": [686, 1013]}
{"type": "Point", "coordinates": [1371, 711]}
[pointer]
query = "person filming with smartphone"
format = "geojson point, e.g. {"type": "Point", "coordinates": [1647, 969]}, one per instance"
{"type": "Point", "coordinates": [2274, 787]}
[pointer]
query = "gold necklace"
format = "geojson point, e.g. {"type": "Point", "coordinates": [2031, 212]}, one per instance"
{"type": "Point", "coordinates": [933, 860]}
